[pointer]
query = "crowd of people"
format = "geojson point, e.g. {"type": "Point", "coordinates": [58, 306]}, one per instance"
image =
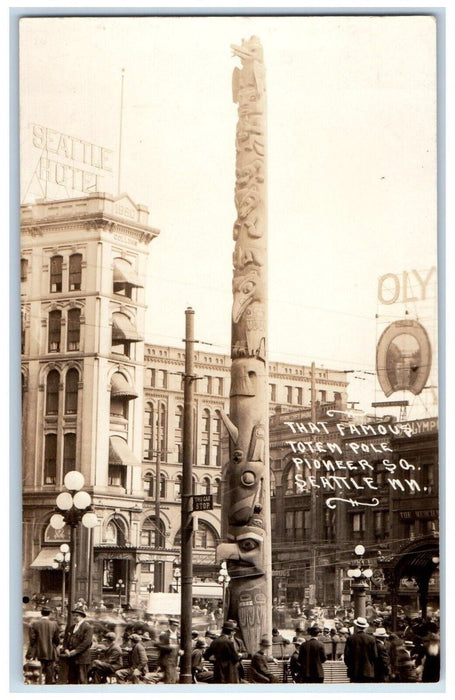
{"type": "Point", "coordinates": [92, 651]}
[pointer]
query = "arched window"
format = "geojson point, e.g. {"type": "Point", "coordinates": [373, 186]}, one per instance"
{"type": "Point", "coordinates": [290, 484]}
{"type": "Point", "coordinates": [55, 328]}
{"type": "Point", "coordinates": [217, 422]}
{"type": "Point", "coordinates": [153, 534]}
{"type": "Point", "coordinates": [24, 269]}
{"type": "Point", "coordinates": [205, 537]}
{"type": "Point", "coordinates": [75, 270]}
{"type": "Point", "coordinates": [74, 329]}
{"type": "Point", "coordinates": [52, 389]}
{"type": "Point", "coordinates": [206, 486]}
{"type": "Point", "coordinates": [115, 532]}
{"type": "Point", "coordinates": [206, 420]}
{"type": "Point", "coordinates": [162, 430]}
{"type": "Point", "coordinates": [56, 273]}
{"type": "Point", "coordinates": [272, 484]}
{"type": "Point", "coordinates": [149, 483]}
{"type": "Point", "coordinates": [50, 458]}
{"type": "Point", "coordinates": [71, 388]}
{"type": "Point", "coordinates": [218, 490]}
{"type": "Point", "coordinates": [178, 486]}
{"type": "Point", "coordinates": [69, 452]}
{"type": "Point", "coordinates": [179, 417]}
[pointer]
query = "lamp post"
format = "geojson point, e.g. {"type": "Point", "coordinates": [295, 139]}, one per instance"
{"type": "Point", "coordinates": [360, 577]}
{"type": "Point", "coordinates": [223, 578]}
{"type": "Point", "coordinates": [73, 507]}
{"type": "Point", "coordinates": [62, 561]}
{"type": "Point", "coordinates": [120, 587]}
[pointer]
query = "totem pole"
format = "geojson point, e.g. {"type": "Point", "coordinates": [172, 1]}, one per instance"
{"type": "Point", "coordinates": [246, 483]}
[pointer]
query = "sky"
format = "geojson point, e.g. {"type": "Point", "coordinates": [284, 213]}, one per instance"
{"type": "Point", "coordinates": [351, 158]}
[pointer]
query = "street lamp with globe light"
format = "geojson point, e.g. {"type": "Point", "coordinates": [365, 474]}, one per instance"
{"type": "Point", "coordinates": [360, 577]}
{"type": "Point", "coordinates": [223, 578]}
{"type": "Point", "coordinates": [62, 561]}
{"type": "Point", "coordinates": [73, 507]}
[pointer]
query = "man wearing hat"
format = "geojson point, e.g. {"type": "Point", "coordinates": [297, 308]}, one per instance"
{"type": "Point", "coordinates": [294, 665]}
{"type": "Point", "coordinates": [173, 630]}
{"type": "Point", "coordinates": [44, 641]}
{"type": "Point", "coordinates": [311, 657]}
{"type": "Point", "coordinates": [259, 664]}
{"type": "Point", "coordinates": [199, 673]}
{"type": "Point", "coordinates": [110, 661]}
{"type": "Point", "coordinates": [138, 662]}
{"type": "Point", "coordinates": [224, 655]}
{"type": "Point", "coordinates": [360, 653]}
{"type": "Point", "coordinates": [76, 647]}
{"type": "Point", "coordinates": [382, 669]}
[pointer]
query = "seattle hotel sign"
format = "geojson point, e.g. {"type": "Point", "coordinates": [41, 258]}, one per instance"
{"type": "Point", "coordinates": [70, 162]}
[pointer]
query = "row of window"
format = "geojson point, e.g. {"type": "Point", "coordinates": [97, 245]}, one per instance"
{"type": "Point", "coordinates": [159, 379]}
{"type": "Point", "coordinates": [124, 278]}
{"type": "Point", "coordinates": [206, 486]}
{"type": "Point", "coordinates": [295, 395]}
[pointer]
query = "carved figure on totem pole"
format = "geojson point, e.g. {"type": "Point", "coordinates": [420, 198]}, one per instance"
{"type": "Point", "coordinates": [246, 490]}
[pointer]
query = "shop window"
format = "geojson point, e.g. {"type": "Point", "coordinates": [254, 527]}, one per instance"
{"type": "Point", "coordinates": [55, 328]}
{"type": "Point", "coordinates": [71, 389]}
{"type": "Point", "coordinates": [75, 272]}
{"type": "Point", "coordinates": [52, 392]}
{"type": "Point", "coordinates": [56, 265]}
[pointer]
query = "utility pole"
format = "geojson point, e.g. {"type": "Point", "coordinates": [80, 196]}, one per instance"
{"type": "Point", "coordinates": [186, 556]}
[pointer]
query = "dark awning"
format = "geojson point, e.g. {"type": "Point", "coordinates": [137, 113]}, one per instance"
{"type": "Point", "coordinates": [124, 274]}
{"type": "Point", "coordinates": [123, 329]}
{"type": "Point", "coordinates": [120, 453]}
{"type": "Point", "coordinates": [45, 558]}
{"type": "Point", "coordinates": [121, 389]}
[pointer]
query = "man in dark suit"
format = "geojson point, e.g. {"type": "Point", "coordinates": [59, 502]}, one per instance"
{"type": "Point", "coordinates": [226, 658]}
{"type": "Point", "coordinates": [110, 661]}
{"type": "Point", "coordinates": [311, 658]}
{"type": "Point", "coordinates": [76, 647]}
{"type": "Point", "coordinates": [260, 664]}
{"type": "Point", "coordinates": [360, 653]}
{"type": "Point", "coordinates": [44, 641]}
{"type": "Point", "coordinates": [138, 667]}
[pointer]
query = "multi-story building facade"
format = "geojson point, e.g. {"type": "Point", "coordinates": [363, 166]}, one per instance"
{"type": "Point", "coordinates": [83, 271]}
{"type": "Point", "coordinates": [99, 400]}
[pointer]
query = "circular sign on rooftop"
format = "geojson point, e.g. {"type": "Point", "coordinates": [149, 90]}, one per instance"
{"type": "Point", "coordinates": [403, 357]}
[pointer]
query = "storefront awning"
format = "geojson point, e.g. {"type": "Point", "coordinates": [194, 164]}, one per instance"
{"type": "Point", "coordinates": [207, 590]}
{"type": "Point", "coordinates": [124, 274]}
{"type": "Point", "coordinates": [121, 389]}
{"type": "Point", "coordinates": [123, 329]}
{"type": "Point", "coordinates": [45, 558]}
{"type": "Point", "coordinates": [120, 453]}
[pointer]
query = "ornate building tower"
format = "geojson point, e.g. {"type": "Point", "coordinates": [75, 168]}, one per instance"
{"type": "Point", "coordinates": [83, 273]}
